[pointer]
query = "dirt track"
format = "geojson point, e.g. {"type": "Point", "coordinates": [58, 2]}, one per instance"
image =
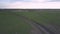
{"type": "Point", "coordinates": [36, 27]}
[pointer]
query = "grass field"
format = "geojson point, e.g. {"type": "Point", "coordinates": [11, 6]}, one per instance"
{"type": "Point", "coordinates": [12, 24]}
{"type": "Point", "coordinates": [43, 17]}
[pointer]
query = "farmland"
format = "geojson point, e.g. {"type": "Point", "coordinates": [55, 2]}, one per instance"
{"type": "Point", "coordinates": [50, 20]}
{"type": "Point", "coordinates": [13, 22]}
{"type": "Point", "coordinates": [43, 17]}
{"type": "Point", "coordinates": [10, 23]}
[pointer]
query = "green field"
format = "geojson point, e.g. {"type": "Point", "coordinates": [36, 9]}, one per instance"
{"type": "Point", "coordinates": [10, 23]}
{"type": "Point", "coordinates": [45, 18]}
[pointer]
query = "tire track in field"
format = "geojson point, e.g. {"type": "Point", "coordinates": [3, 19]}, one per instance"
{"type": "Point", "coordinates": [36, 27]}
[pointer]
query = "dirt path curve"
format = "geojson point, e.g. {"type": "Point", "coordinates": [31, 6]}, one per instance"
{"type": "Point", "coordinates": [36, 27]}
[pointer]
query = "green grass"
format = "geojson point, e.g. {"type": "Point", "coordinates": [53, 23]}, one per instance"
{"type": "Point", "coordinates": [12, 24]}
{"type": "Point", "coordinates": [43, 17]}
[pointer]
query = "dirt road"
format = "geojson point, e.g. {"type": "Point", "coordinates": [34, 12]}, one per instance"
{"type": "Point", "coordinates": [36, 27]}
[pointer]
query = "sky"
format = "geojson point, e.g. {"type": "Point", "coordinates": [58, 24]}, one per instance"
{"type": "Point", "coordinates": [29, 4]}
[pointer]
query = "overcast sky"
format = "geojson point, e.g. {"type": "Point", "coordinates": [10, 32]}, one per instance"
{"type": "Point", "coordinates": [30, 4]}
